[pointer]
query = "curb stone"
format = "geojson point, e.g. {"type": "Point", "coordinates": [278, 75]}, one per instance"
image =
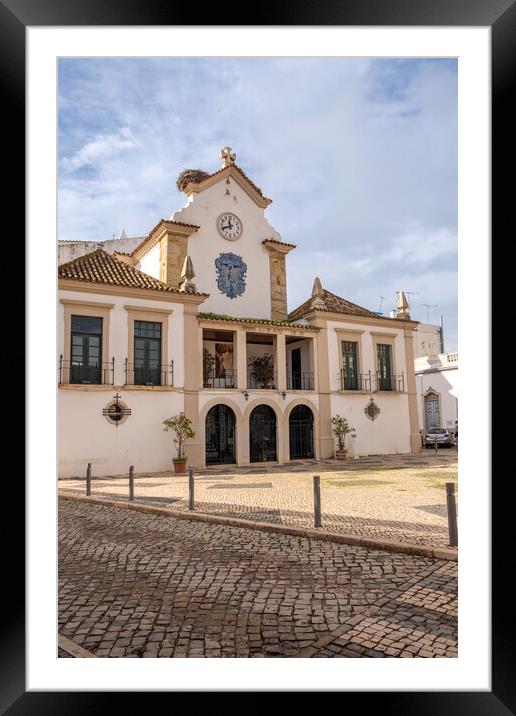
{"type": "Point", "coordinates": [74, 649]}
{"type": "Point", "coordinates": [308, 532]}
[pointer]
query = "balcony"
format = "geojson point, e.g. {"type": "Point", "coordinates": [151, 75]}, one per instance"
{"type": "Point", "coordinates": [300, 380]}
{"type": "Point", "coordinates": [224, 378]}
{"type": "Point", "coordinates": [393, 383]}
{"type": "Point", "coordinates": [218, 359]}
{"type": "Point", "coordinates": [256, 382]}
{"type": "Point", "coordinates": [360, 382]}
{"type": "Point", "coordinates": [86, 373]}
{"type": "Point", "coordinates": [150, 375]}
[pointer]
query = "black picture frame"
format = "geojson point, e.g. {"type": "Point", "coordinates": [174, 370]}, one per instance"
{"type": "Point", "coordinates": [15, 16]}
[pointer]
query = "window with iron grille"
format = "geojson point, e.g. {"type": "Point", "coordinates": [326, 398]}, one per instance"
{"type": "Point", "coordinates": [86, 350]}
{"type": "Point", "coordinates": [384, 366]}
{"type": "Point", "coordinates": [147, 353]}
{"type": "Point", "coordinates": [349, 365]}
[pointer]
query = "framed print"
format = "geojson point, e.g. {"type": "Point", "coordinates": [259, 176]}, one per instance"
{"type": "Point", "coordinates": [132, 322]}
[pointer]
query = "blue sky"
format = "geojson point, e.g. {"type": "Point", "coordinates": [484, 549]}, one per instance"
{"type": "Point", "coordinates": [358, 155]}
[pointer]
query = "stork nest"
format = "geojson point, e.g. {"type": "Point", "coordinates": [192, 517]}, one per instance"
{"type": "Point", "coordinates": [189, 175]}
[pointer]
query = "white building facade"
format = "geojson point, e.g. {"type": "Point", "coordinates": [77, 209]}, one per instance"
{"type": "Point", "coordinates": [437, 381]}
{"type": "Point", "coordinates": [194, 320]}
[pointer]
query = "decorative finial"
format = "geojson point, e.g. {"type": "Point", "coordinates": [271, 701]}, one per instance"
{"type": "Point", "coordinates": [317, 295]}
{"type": "Point", "coordinates": [228, 156]}
{"type": "Point", "coordinates": [185, 284]}
{"type": "Point", "coordinates": [402, 307]}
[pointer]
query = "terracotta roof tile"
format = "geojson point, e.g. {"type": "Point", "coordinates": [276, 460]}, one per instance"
{"type": "Point", "coordinates": [101, 267]}
{"type": "Point", "coordinates": [333, 304]}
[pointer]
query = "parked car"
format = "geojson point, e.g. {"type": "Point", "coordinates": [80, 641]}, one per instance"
{"type": "Point", "coordinates": [441, 436]}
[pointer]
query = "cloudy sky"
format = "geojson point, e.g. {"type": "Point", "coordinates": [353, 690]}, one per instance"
{"type": "Point", "coordinates": [359, 157]}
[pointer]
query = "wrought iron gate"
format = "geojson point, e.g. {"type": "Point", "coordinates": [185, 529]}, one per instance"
{"type": "Point", "coordinates": [301, 432]}
{"type": "Point", "coordinates": [262, 434]}
{"type": "Point", "coordinates": [220, 436]}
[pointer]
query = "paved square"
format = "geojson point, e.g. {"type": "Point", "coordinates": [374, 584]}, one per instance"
{"type": "Point", "coordinates": [400, 498]}
{"type": "Point", "coordinates": [141, 585]}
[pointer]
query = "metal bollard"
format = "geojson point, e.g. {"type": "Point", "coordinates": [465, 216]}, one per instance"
{"type": "Point", "coordinates": [131, 483]}
{"type": "Point", "coordinates": [452, 514]}
{"type": "Point", "coordinates": [435, 443]}
{"type": "Point", "coordinates": [190, 489]}
{"type": "Point", "coordinates": [317, 501]}
{"type": "Point", "coordinates": [88, 480]}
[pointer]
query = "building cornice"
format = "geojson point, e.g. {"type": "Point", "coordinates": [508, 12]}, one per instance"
{"type": "Point", "coordinates": [224, 320]}
{"type": "Point", "coordinates": [278, 247]}
{"type": "Point", "coordinates": [326, 316]}
{"type": "Point", "coordinates": [142, 293]}
{"type": "Point", "coordinates": [176, 228]}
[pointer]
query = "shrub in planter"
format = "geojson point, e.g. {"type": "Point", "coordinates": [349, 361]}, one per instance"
{"type": "Point", "coordinates": [262, 370]}
{"type": "Point", "coordinates": [340, 430]}
{"type": "Point", "coordinates": [181, 426]}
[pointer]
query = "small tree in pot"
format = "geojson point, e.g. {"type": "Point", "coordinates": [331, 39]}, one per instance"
{"type": "Point", "coordinates": [262, 369]}
{"type": "Point", "coordinates": [182, 427]}
{"type": "Point", "coordinates": [340, 430]}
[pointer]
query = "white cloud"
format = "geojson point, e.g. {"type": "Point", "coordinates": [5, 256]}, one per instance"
{"type": "Point", "coordinates": [103, 146]}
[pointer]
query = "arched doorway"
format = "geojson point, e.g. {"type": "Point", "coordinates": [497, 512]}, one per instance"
{"type": "Point", "coordinates": [301, 433]}
{"type": "Point", "coordinates": [220, 435]}
{"type": "Point", "coordinates": [432, 412]}
{"type": "Point", "coordinates": [262, 434]}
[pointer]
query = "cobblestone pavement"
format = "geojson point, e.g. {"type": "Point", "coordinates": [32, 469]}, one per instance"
{"type": "Point", "coordinates": [139, 585]}
{"type": "Point", "coordinates": [376, 498]}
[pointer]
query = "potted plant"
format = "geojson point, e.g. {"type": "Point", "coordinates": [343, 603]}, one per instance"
{"type": "Point", "coordinates": [340, 430]}
{"type": "Point", "coordinates": [182, 427]}
{"type": "Point", "coordinates": [208, 364]}
{"type": "Point", "coordinates": [262, 370]}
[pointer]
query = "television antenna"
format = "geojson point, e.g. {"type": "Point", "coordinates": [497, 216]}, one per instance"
{"type": "Point", "coordinates": [381, 303]}
{"type": "Point", "coordinates": [428, 306]}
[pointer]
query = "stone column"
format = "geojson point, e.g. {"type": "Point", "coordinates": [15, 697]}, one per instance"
{"type": "Point", "coordinates": [281, 361]}
{"type": "Point", "coordinates": [326, 440]}
{"type": "Point", "coordinates": [192, 372]}
{"type": "Point", "coordinates": [415, 437]}
{"type": "Point", "coordinates": [241, 359]}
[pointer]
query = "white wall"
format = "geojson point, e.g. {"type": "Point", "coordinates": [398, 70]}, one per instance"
{"type": "Point", "coordinates": [150, 262]}
{"type": "Point", "coordinates": [206, 245]}
{"type": "Point", "coordinates": [367, 356]}
{"type": "Point", "coordinates": [441, 376]}
{"type": "Point", "coordinates": [86, 436]}
{"type": "Point", "coordinates": [84, 433]}
{"type": "Point", "coordinates": [389, 433]}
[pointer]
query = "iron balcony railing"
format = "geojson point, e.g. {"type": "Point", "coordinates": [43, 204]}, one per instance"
{"type": "Point", "coordinates": [395, 383]}
{"type": "Point", "coordinates": [226, 378]}
{"type": "Point", "coordinates": [300, 380]}
{"type": "Point", "coordinates": [159, 374]}
{"type": "Point", "coordinates": [77, 372]}
{"type": "Point", "coordinates": [253, 382]}
{"type": "Point", "coordinates": [362, 381]}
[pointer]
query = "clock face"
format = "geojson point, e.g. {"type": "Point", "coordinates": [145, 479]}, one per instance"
{"type": "Point", "coordinates": [229, 226]}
